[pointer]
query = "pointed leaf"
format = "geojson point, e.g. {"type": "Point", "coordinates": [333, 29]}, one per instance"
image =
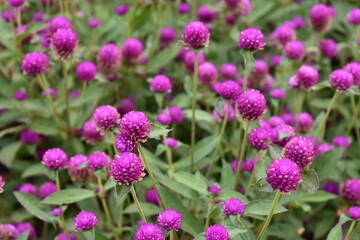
{"type": "Point", "coordinates": [262, 207]}
{"type": "Point", "coordinates": [68, 196]}
{"type": "Point", "coordinates": [310, 181]}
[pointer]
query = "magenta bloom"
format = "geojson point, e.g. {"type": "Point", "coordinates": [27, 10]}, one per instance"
{"type": "Point", "coordinates": [283, 174]}
{"type": "Point", "coordinates": [55, 159]}
{"type": "Point", "coordinates": [229, 90]}
{"type": "Point", "coordinates": [300, 150]}
{"type": "Point", "coordinates": [2, 183]}
{"type": "Point", "coordinates": [294, 50]}
{"type": "Point", "coordinates": [189, 60]}
{"type": "Point", "coordinates": [167, 35]}
{"type": "Point", "coordinates": [354, 213]}
{"type": "Point", "coordinates": [16, 3]}
{"type": "Point", "coordinates": [85, 220]}
{"type": "Point", "coordinates": [216, 232]}
{"type": "Point", "coordinates": [275, 60]}
{"type": "Point", "coordinates": [29, 137]}
{"type": "Point", "coordinates": [52, 92]}
{"type": "Point", "coordinates": [228, 71]}
{"type": "Point", "coordinates": [327, 48]}
{"type": "Point", "coordinates": [132, 50]}
{"type": "Point", "coordinates": [160, 84]}
{"type": "Point", "coordinates": [75, 162]}
{"type": "Point", "coordinates": [307, 76]}
{"type": "Point", "coordinates": [284, 34]}
{"type": "Point", "coordinates": [25, 226]}
{"type": "Point", "coordinates": [214, 189]}
{"type": "Point", "coordinates": [46, 189]}
{"type": "Point", "coordinates": [331, 187]}
{"type": "Point", "coordinates": [221, 116]}
{"type": "Point", "coordinates": [242, 7]}
{"type": "Point", "coordinates": [196, 35]}
{"type": "Point", "coordinates": [97, 160]}
{"type": "Point", "coordinates": [170, 219]}
{"type": "Point", "coordinates": [35, 63]}
{"type": "Point", "coordinates": [351, 190]}
{"type": "Point", "coordinates": [122, 9]}
{"type": "Point", "coordinates": [260, 69]}
{"type": "Point", "coordinates": [64, 43]}
{"type": "Point", "coordinates": [287, 129]}
{"type": "Point", "coordinates": [28, 188]}
{"type": "Point", "coordinates": [86, 71]}
{"type": "Point", "coordinates": [163, 118]}
{"type": "Point", "coordinates": [59, 23]}
{"type": "Point", "coordinates": [258, 136]}
{"type": "Point", "coordinates": [207, 73]}
{"type": "Point", "coordinates": [277, 93]}
{"type": "Point", "coordinates": [8, 231]}
{"type": "Point", "coordinates": [149, 231]}
{"type": "Point", "coordinates": [62, 236]}
{"type": "Point", "coordinates": [205, 15]}
{"type": "Point", "coordinates": [353, 16]}
{"type": "Point", "coordinates": [341, 80]}
{"type": "Point", "coordinates": [341, 141]}
{"type": "Point", "coordinates": [124, 143]}
{"type": "Point", "coordinates": [135, 125]}
{"type": "Point", "coordinates": [305, 122]}
{"type": "Point", "coordinates": [251, 39]}
{"type": "Point", "coordinates": [176, 114]}
{"type": "Point", "coordinates": [91, 133]}
{"type": "Point", "coordinates": [125, 105]}
{"type": "Point", "coordinates": [151, 197]}
{"type": "Point", "coordinates": [233, 206]}
{"type": "Point", "coordinates": [93, 23]}
{"type": "Point", "coordinates": [171, 142]}
{"type": "Point", "coordinates": [126, 168]}
{"type": "Point", "coordinates": [183, 8]}
{"type": "Point", "coordinates": [56, 212]}
{"type": "Point", "coordinates": [106, 117]}
{"type": "Point", "coordinates": [321, 16]}
{"type": "Point", "coordinates": [251, 105]}
{"type": "Point", "coordinates": [354, 69]}
{"type": "Point", "coordinates": [108, 57]}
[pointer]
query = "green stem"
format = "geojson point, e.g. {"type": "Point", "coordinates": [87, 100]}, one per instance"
{"type": "Point", "coordinates": [141, 212]}
{"type": "Point", "coordinates": [355, 113]}
{"type": "Point", "coordinates": [18, 16]}
{"type": "Point", "coordinates": [193, 125]}
{"type": "Point", "coordinates": [242, 155]}
{"type": "Point", "coordinates": [268, 219]}
{"type": "Point", "coordinates": [171, 235]}
{"type": "Point", "coordinates": [193, 9]}
{"type": "Point", "coordinates": [349, 232]}
{"type": "Point", "coordinates": [113, 142]}
{"type": "Point", "coordinates": [357, 228]}
{"type": "Point", "coordinates": [298, 110]}
{"type": "Point", "coordinates": [252, 178]}
{"type": "Point", "coordinates": [66, 90]}
{"type": "Point", "coordinates": [246, 76]}
{"type": "Point", "coordinates": [168, 156]}
{"type": "Point", "coordinates": [62, 218]}
{"type": "Point", "coordinates": [207, 221]}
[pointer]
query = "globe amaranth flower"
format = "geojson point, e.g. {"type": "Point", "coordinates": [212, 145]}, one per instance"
{"type": "Point", "coordinates": [181, 54]}
{"type": "Point", "coordinates": [171, 142]}
{"type": "Point", "coordinates": [106, 117]}
{"type": "Point", "coordinates": [284, 34]}
{"type": "Point", "coordinates": [20, 95]}
{"type": "Point", "coordinates": [160, 84]}
{"type": "Point", "coordinates": [65, 236]}
{"type": "Point", "coordinates": [8, 231]}
{"type": "Point", "coordinates": [322, 148]}
{"type": "Point", "coordinates": [207, 73]}
{"type": "Point", "coordinates": [136, 126]}
{"type": "Point", "coordinates": [354, 213]}
{"type": "Point", "coordinates": [214, 189]}
{"type": "Point", "coordinates": [149, 231]}
{"type": "Point", "coordinates": [294, 50]}
{"type": "Point", "coordinates": [58, 23]}
{"type": "Point", "coordinates": [86, 71]}
{"type": "Point", "coordinates": [228, 71]}
{"type": "Point", "coordinates": [275, 60]}
{"type": "Point", "coordinates": [131, 51]}
{"type": "Point", "coordinates": [122, 9]}
{"type": "Point", "coordinates": [341, 80]}
{"type": "Point", "coordinates": [351, 190]}
{"type": "Point", "coordinates": [227, 109]}
{"type": "Point", "coordinates": [108, 58]}
{"type": "Point", "coordinates": [55, 159]}
{"type": "Point", "coordinates": [97, 160]}
{"type": "Point", "coordinates": [251, 105]}
{"type": "Point", "coordinates": [328, 48]}
{"type": "Point", "coordinates": [163, 118]}
{"type": "Point", "coordinates": [2, 183]}
{"type": "Point", "coordinates": [251, 39]}
{"type": "Point", "coordinates": [341, 141]}
{"type": "Point", "coordinates": [277, 93]}
{"type": "Point", "coordinates": [28, 188]}
{"type": "Point", "coordinates": [176, 114]}
{"type": "Point", "coordinates": [167, 35]}
{"type": "Point", "coordinates": [76, 173]}
{"type": "Point", "coordinates": [151, 197]}
{"type": "Point", "coordinates": [22, 29]}
{"type": "Point", "coordinates": [29, 137]}
{"type": "Point", "coordinates": [229, 90]}
{"type": "Point", "coordinates": [189, 60]}
{"type": "Point", "coordinates": [275, 121]}
{"type": "Point", "coordinates": [183, 8]}
{"type": "Point", "coordinates": [56, 212]}
{"type": "Point", "coordinates": [205, 15]}
{"type": "Point", "coordinates": [74, 94]}
{"type": "Point", "coordinates": [233, 206]}
{"type": "Point", "coordinates": [35, 63]}
{"type": "Point", "coordinates": [354, 69]}
{"type": "Point", "coordinates": [93, 23]}
{"type": "Point", "coordinates": [353, 16]}
{"type": "Point", "coordinates": [51, 91]}
{"type": "Point", "coordinates": [230, 19]}
{"type": "Point", "coordinates": [170, 219]}
{"type": "Point", "coordinates": [300, 150]}
{"type": "Point", "coordinates": [216, 232]}
{"type": "Point", "coordinates": [124, 143]}
{"type": "Point", "coordinates": [91, 133]}
{"type": "Point", "coordinates": [25, 226]}
{"type": "Point", "coordinates": [266, 83]}
{"type": "Point", "coordinates": [241, 7]}
{"type": "Point", "coordinates": [260, 69]}
{"type": "Point", "coordinates": [258, 136]}
{"type": "Point", "coordinates": [85, 220]}
{"type": "Point", "coordinates": [125, 105]}
{"type": "Point", "coordinates": [286, 130]}
{"type": "Point", "coordinates": [307, 76]}
{"type": "Point", "coordinates": [321, 17]}
{"type": "Point", "coordinates": [196, 35]}
{"type": "Point", "coordinates": [46, 189]}
{"type": "Point", "coordinates": [16, 3]}
{"type": "Point", "coordinates": [126, 168]}
{"type": "Point", "coordinates": [304, 122]}
{"type": "Point", "coordinates": [331, 187]}
{"type": "Point", "coordinates": [64, 43]}
{"type": "Point", "coordinates": [283, 174]}
{"type": "Point", "coordinates": [8, 16]}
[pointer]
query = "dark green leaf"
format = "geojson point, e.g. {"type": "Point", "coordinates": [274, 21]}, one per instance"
{"type": "Point", "coordinates": [36, 169]}
{"type": "Point", "coordinates": [249, 59]}
{"type": "Point", "coordinates": [310, 181]}
{"type": "Point", "coordinates": [326, 162]}
{"type": "Point", "coordinates": [157, 130]}
{"type": "Point", "coordinates": [68, 196]}
{"type": "Point", "coordinates": [262, 185]}
{"type": "Point", "coordinates": [24, 235]}
{"type": "Point", "coordinates": [227, 176]}
{"type": "Point", "coordinates": [275, 151]}
{"type": "Point", "coordinates": [262, 207]}
{"type": "Point", "coordinates": [191, 181]}
{"type": "Point", "coordinates": [7, 153]}
{"type": "Point", "coordinates": [148, 208]}
{"type": "Point", "coordinates": [162, 58]}
{"type": "Point", "coordinates": [336, 232]}
{"type": "Point", "coordinates": [124, 190]}
{"type": "Point", "coordinates": [220, 105]}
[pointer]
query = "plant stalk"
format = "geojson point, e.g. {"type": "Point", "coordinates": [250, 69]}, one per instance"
{"type": "Point", "coordinates": [193, 123]}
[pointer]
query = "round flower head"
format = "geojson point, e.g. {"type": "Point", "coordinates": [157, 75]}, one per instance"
{"type": "Point", "coordinates": [106, 117]}
{"type": "Point", "coordinates": [351, 190]}
{"type": "Point", "coordinates": [307, 76]}
{"type": "Point", "coordinates": [65, 236]}
{"type": "Point", "coordinates": [294, 50]}
{"type": "Point", "coordinates": [132, 50]}
{"type": "Point", "coordinates": [171, 142]}
{"type": "Point", "coordinates": [19, 95]}
{"type": "Point", "coordinates": [275, 60]}
{"type": "Point", "coordinates": [29, 137]}
{"type": "Point", "coordinates": [354, 213]}
{"type": "Point", "coordinates": [228, 71]}
{"type": "Point", "coordinates": [275, 121]}
{"type": "Point", "coordinates": [353, 16]}
{"type": "Point", "coordinates": [331, 187]}
{"type": "Point", "coordinates": [108, 58]}
{"type": "Point", "coordinates": [97, 160]}
{"type": "Point", "coordinates": [85, 220]}
{"type": "Point", "coordinates": [258, 136]}
{"type": "Point", "coordinates": [46, 189]}
{"type": "Point", "coordinates": [341, 141]}
{"type": "Point", "coordinates": [125, 105]}
{"type": "Point", "coordinates": [277, 93]}
{"type": "Point", "coordinates": [216, 232]}
{"type": "Point", "coordinates": [25, 226]}
{"type": "Point", "coordinates": [205, 15]}
{"type": "Point", "coordinates": [167, 35]}
{"type": "Point", "coordinates": [54, 159]}
{"type": "Point", "coordinates": [230, 19]}
{"type": "Point", "coordinates": [28, 188]}
{"type": "Point", "coordinates": [74, 94]}
{"type": "Point", "coordinates": [300, 150]}
{"type": "Point", "coordinates": [327, 48]}
{"type": "Point", "coordinates": [2, 183]}
{"type": "Point", "coordinates": [160, 84]}
{"type": "Point", "coordinates": [251, 105]}
{"type": "Point", "coordinates": [251, 39]}
{"type": "Point", "coordinates": [242, 7]}
{"type": "Point", "coordinates": [322, 148]}
{"type": "Point", "coordinates": [122, 9]}
{"type": "Point", "coordinates": [75, 162]}
{"type": "Point", "coordinates": [229, 90]}
{"type": "Point", "coordinates": [227, 108]}
{"type": "Point", "coordinates": [287, 129]}
{"type": "Point", "coordinates": [86, 71]}
{"type": "Point", "coordinates": [136, 126]}
{"type": "Point", "coordinates": [91, 133]}
{"type": "Point", "coordinates": [59, 23]}
{"type": "Point", "coordinates": [183, 8]}
{"type": "Point", "coordinates": [196, 35]}
{"type": "Point", "coordinates": [52, 92]}
{"type": "Point", "coordinates": [233, 206]}
{"type": "Point", "coordinates": [163, 118]}
{"type": "Point", "coordinates": [283, 174]}
{"type": "Point", "coordinates": [207, 73]}
{"type": "Point", "coordinates": [284, 34]}
{"type": "Point", "coordinates": [124, 143]}
{"type": "Point", "coordinates": [56, 212]}
{"type": "Point", "coordinates": [35, 63]}
{"type": "Point", "coordinates": [126, 168]}
{"type": "Point", "coordinates": [189, 60]}
{"type": "Point", "coordinates": [93, 23]}
{"type": "Point", "coordinates": [151, 197]}
{"type": "Point", "coordinates": [8, 231]}
{"type": "Point", "coordinates": [214, 189]}
{"type": "Point", "coordinates": [16, 3]}
{"type": "Point", "coordinates": [176, 114]}
{"type": "Point", "coordinates": [149, 231]}
{"type": "Point", "coordinates": [260, 69]}
{"type": "Point", "coordinates": [354, 69]}
{"type": "Point", "coordinates": [266, 83]}
{"type": "Point", "coordinates": [170, 219]}
{"type": "Point", "coordinates": [64, 43]}
{"type": "Point", "coordinates": [304, 122]}
{"type": "Point", "coordinates": [8, 16]}
{"type": "Point", "coordinates": [341, 80]}
{"type": "Point", "coordinates": [321, 17]}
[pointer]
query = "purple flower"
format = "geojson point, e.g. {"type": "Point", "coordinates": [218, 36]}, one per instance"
{"type": "Point", "coordinates": [7, 15]}
{"type": "Point", "coordinates": [260, 69]}
{"type": "Point", "coordinates": [284, 34]}
{"type": "Point", "coordinates": [163, 118]}
{"type": "Point", "coordinates": [251, 105]}
{"type": "Point", "coordinates": [86, 71]}
{"type": "Point", "coordinates": [16, 3]}
{"type": "Point", "coordinates": [283, 174]}
{"type": "Point", "coordinates": [170, 219]}
{"type": "Point", "coordinates": [64, 43]}
{"type": "Point", "coordinates": [25, 226]}
{"type": "Point", "coordinates": [122, 9]}
{"type": "Point", "coordinates": [233, 206]}
{"type": "Point", "coordinates": [354, 69]}
{"type": "Point", "coordinates": [287, 129]}
{"type": "Point", "coordinates": [59, 23]}
{"type": "Point", "coordinates": [52, 92]}
{"type": "Point", "coordinates": [207, 73]}
{"type": "Point", "coordinates": [91, 133]}
{"type": "Point", "coordinates": [321, 16]}
{"type": "Point", "coordinates": [328, 48]}
{"type": "Point", "coordinates": [22, 29]}
{"type": "Point", "coordinates": [160, 84]}
{"type": "Point", "coordinates": [171, 142]}
{"type": "Point", "coordinates": [331, 187]}
{"type": "Point", "coordinates": [46, 189]}
{"type": "Point", "coordinates": [125, 105]}
{"type": "Point", "coordinates": [229, 90]}
{"type": "Point", "coordinates": [341, 80]}
{"type": "Point", "coordinates": [300, 150]}
{"type": "Point", "coordinates": [230, 19]}
{"type": "Point", "coordinates": [298, 22]}
{"type": "Point", "coordinates": [242, 7]}
{"type": "Point", "coordinates": [351, 190]}
{"type": "Point", "coordinates": [136, 126]}
{"type": "Point", "coordinates": [221, 116]}
{"type": "Point", "coordinates": [124, 143]}
{"type": "Point", "coordinates": [294, 50]}
{"type": "Point", "coordinates": [106, 117]}
{"type": "Point", "coordinates": [85, 220]}
{"type": "Point", "coordinates": [8, 231]}
{"type": "Point", "coordinates": [97, 160]}
{"type": "Point", "coordinates": [28, 188]}
{"type": "Point", "coordinates": [131, 51]}
{"type": "Point", "coordinates": [216, 232]}
{"type": "Point", "coordinates": [354, 212]}
{"type": "Point", "coordinates": [307, 76]}
{"type": "Point", "coordinates": [35, 63]}
{"type": "Point", "coordinates": [149, 231]}
{"type": "Point", "coordinates": [251, 39]}
{"type": "Point", "coordinates": [353, 16]}
{"type": "Point", "coordinates": [29, 137]}
{"type": "Point", "coordinates": [275, 60]}
{"type": "Point", "coordinates": [65, 236]}
{"type": "Point", "coordinates": [126, 168]}
{"type": "Point", "coordinates": [322, 148]}
{"type": "Point", "coordinates": [176, 114]}
{"type": "Point", "coordinates": [275, 121]}
{"type": "Point", "coordinates": [2, 183]}
{"type": "Point", "coordinates": [277, 93]}
{"type": "Point", "coordinates": [74, 94]}
{"type": "Point", "coordinates": [189, 60]}
{"type": "Point", "coordinates": [75, 162]}
{"type": "Point", "coordinates": [205, 15]}
{"type": "Point", "coordinates": [228, 71]}
{"type": "Point", "coordinates": [304, 122]}
{"type": "Point", "coordinates": [167, 35]}
{"type": "Point", "coordinates": [108, 58]}
{"type": "Point", "coordinates": [196, 35]}
{"type": "Point", "coordinates": [151, 197]}
{"type": "Point", "coordinates": [183, 8]}
{"type": "Point", "coordinates": [56, 212]}
{"type": "Point", "coordinates": [55, 159]}
{"type": "Point", "coordinates": [214, 189]}
{"type": "Point", "coordinates": [341, 141]}
{"type": "Point", "coordinates": [258, 136]}
{"type": "Point", "coordinates": [93, 23]}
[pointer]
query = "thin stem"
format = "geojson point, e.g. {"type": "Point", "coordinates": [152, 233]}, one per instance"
{"type": "Point", "coordinates": [62, 218]}
{"type": "Point", "coordinates": [240, 137]}
{"type": "Point", "coordinates": [148, 168]}
{"type": "Point", "coordinates": [355, 114]}
{"type": "Point", "coordinates": [353, 223]}
{"type": "Point", "coordinates": [193, 125]}
{"type": "Point", "coordinates": [57, 180]}
{"type": "Point", "coordinates": [246, 76]}
{"type": "Point", "coordinates": [207, 221]}
{"type": "Point", "coordinates": [18, 17]}
{"type": "Point", "coordinates": [193, 9]}
{"type": "Point", "coordinates": [65, 76]}
{"type": "Point", "coordinates": [171, 235]}
{"type": "Point", "coordinates": [168, 156]}
{"type": "Point", "coordinates": [252, 178]}
{"type": "Point", "coordinates": [357, 228]}
{"type": "Point", "coordinates": [242, 155]}
{"type": "Point", "coordinates": [298, 110]}
{"type": "Point", "coordinates": [141, 212]}
{"type": "Point", "coordinates": [268, 219]}
{"type": "Point", "coordinates": [82, 95]}
{"type": "Point", "coordinates": [113, 142]}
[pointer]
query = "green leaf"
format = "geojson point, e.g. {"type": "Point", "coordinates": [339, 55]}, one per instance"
{"type": "Point", "coordinates": [326, 162]}
{"type": "Point", "coordinates": [316, 127]}
{"type": "Point", "coordinates": [36, 169]}
{"type": "Point", "coordinates": [178, 187]}
{"type": "Point", "coordinates": [148, 208]}
{"type": "Point", "coordinates": [68, 196]}
{"type": "Point", "coordinates": [320, 196]}
{"type": "Point", "coordinates": [191, 181]}
{"type": "Point", "coordinates": [200, 115]}
{"type": "Point", "coordinates": [354, 90]}
{"type": "Point", "coordinates": [275, 151]}
{"type": "Point", "coordinates": [249, 59]}
{"type": "Point", "coordinates": [201, 236]}
{"type": "Point", "coordinates": [262, 207]}
{"type": "Point", "coordinates": [157, 131]}
{"type": "Point", "coordinates": [7, 153]}
{"type": "Point", "coordinates": [322, 85]}
{"type": "Point", "coordinates": [310, 181]}
{"type": "Point", "coordinates": [336, 232]}
{"type": "Point", "coordinates": [226, 194]}
{"type": "Point", "coordinates": [220, 105]}
{"type": "Point", "coordinates": [125, 189]}
{"type": "Point", "coordinates": [24, 235]}
{"type": "Point", "coordinates": [34, 206]}
{"type": "Point", "coordinates": [162, 58]}
{"type": "Point", "coordinates": [89, 234]}
{"type": "Point", "coordinates": [227, 176]}
{"type": "Point", "coordinates": [262, 185]}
